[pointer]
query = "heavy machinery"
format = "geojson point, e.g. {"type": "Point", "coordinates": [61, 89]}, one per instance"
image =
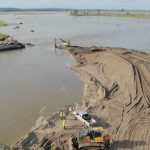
{"type": "Point", "coordinates": [91, 139]}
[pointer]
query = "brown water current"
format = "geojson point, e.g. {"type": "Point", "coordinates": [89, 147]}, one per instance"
{"type": "Point", "coordinates": [37, 81]}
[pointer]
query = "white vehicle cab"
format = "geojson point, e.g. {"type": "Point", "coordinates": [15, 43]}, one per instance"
{"type": "Point", "coordinates": [84, 117]}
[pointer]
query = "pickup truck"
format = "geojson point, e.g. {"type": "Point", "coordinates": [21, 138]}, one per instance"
{"type": "Point", "coordinates": [85, 118]}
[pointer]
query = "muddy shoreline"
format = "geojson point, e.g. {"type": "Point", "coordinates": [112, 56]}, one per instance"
{"type": "Point", "coordinates": [116, 91]}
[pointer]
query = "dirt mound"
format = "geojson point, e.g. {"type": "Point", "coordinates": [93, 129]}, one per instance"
{"type": "Point", "coordinates": [117, 88]}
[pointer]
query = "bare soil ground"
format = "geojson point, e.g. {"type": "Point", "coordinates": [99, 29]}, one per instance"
{"type": "Point", "coordinates": [116, 92]}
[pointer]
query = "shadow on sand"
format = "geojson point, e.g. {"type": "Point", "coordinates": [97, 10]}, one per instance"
{"type": "Point", "coordinates": [101, 122]}
{"type": "Point", "coordinates": [127, 144]}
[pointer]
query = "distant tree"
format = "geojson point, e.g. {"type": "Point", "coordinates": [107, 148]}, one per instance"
{"type": "Point", "coordinates": [87, 13]}
{"type": "Point", "coordinates": [122, 10]}
{"type": "Point", "coordinates": [98, 12]}
{"type": "Point", "coordinates": [84, 13]}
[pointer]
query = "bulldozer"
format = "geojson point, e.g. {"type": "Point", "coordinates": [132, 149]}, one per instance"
{"type": "Point", "coordinates": [91, 139]}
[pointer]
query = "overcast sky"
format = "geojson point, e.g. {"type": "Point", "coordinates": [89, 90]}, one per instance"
{"type": "Point", "coordinates": [101, 4]}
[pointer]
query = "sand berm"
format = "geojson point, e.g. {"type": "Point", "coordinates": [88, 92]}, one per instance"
{"type": "Point", "coordinates": [116, 90]}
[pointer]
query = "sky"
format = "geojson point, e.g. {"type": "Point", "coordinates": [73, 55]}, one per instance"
{"type": "Point", "coordinates": [89, 4]}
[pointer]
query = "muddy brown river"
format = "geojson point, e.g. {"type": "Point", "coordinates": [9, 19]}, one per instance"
{"type": "Point", "coordinates": [37, 81]}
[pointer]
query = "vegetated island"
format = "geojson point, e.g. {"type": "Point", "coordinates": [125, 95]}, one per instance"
{"type": "Point", "coordinates": [113, 13]}
{"type": "Point", "coordinates": [117, 94]}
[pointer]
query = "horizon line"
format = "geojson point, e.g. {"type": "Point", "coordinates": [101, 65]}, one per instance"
{"type": "Point", "coordinates": [74, 8]}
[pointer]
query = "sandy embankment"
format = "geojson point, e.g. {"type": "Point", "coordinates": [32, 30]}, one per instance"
{"type": "Point", "coordinates": [116, 90]}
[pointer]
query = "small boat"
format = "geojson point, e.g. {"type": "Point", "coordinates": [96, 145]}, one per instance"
{"type": "Point", "coordinates": [85, 118]}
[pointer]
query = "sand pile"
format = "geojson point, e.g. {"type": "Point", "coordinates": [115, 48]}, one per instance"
{"type": "Point", "coordinates": [117, 88]}
{"type": "Point", "coordinates": [116, 91]}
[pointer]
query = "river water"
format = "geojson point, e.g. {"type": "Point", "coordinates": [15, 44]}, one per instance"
{"type": "Point", "coordinates": [38, 80]}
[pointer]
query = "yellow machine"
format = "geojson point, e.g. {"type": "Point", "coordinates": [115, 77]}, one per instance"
{"type": "Point", "coordinates": [97, 135]}
{"type": "Point", "coordinates": [93, 139]}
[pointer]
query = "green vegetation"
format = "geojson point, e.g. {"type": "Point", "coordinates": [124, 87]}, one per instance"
{"type": "Point", "coordinates": [133, 15]}
{"type": "Point", "coordinates": [121, 13]}
{"type": "Point", "coordinates": [3, 37]}
{"type": "Point", "coordinates": [2, 24]}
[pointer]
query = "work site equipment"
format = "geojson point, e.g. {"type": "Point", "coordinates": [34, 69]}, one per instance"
{"type": "Point", "coordinates": [85, 118]}
{"type": "Point", "coordinates": [91, 139]}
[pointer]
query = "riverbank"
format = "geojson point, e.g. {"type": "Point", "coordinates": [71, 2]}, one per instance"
{"type": "Point", "coordinates": [116, 91]}
{"type": "Point", "coordinates": [7, 43]}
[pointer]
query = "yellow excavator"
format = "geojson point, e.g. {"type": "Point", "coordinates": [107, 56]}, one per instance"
{"type": "Point", "coordinates": [91, 139]}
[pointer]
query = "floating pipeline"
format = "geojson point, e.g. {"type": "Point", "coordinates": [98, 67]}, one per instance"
{"type": "Point", "coordinates": [12, 47]}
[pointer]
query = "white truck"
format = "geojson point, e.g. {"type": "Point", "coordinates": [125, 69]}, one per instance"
{"type": "Point", "coordinates": [84, 117]}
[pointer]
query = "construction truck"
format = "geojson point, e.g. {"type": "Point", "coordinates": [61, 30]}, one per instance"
{"type": "Point", "coordinates": [91, 139]}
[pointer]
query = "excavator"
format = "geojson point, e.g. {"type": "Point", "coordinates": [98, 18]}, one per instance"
{"type": "Point", "coordinates": [91, 139]}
